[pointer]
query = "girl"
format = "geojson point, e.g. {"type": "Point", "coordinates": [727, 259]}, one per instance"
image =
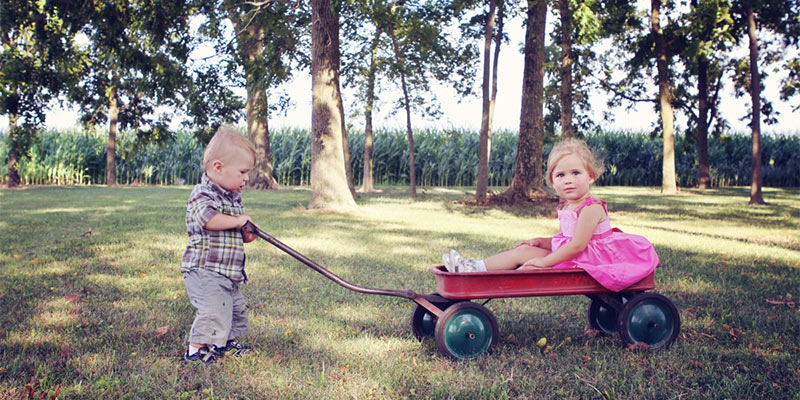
{"type": "Point", "coordinates": [613, 258]}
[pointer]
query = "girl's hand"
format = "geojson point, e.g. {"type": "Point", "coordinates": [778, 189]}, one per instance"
{"type": "Point", "coordinates": [534, 263]}
{"type": "Point", "coordinates": [530, 242]}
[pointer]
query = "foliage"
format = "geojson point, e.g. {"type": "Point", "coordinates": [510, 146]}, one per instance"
{"type": "Point", "coordinates": [138, 52]}
{"type": "Point", "coordinates": [94, 305]}
{"type": "Point", "coordinates": [445, 158]}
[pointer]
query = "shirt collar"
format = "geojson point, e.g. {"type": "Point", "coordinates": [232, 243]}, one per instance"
{"type": "Point", "coordinates": [206, 181]}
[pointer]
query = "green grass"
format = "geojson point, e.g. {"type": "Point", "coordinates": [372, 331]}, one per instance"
{"type": "Point", "coordinates": [105, 315]}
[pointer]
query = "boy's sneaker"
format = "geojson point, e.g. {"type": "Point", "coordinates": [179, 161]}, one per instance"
{"type": "Point", "coordinates": [452, 260]}
{"type": "Point", "coordinates": [207, 354]}
{"type": "Point", "coordinates": [236, 348]}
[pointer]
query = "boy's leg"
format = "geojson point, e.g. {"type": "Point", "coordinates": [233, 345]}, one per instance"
{"type": "Point", "coordinates": [210, 293]}
{"type": "Point", "coordinates": [511, 259]}
{"type": "Point", "coordinates": [239, 326]}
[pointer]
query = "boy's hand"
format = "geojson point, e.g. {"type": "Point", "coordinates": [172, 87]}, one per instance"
{"type": "Point", "coordinates": [248, 235]}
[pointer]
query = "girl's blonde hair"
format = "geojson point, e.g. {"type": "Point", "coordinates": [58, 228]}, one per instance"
{"type": "Point", "coordinates": [225, 139]}
{"type": "Point", "coordinates": [579, 148]}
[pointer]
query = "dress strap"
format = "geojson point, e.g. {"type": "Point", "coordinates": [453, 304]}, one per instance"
{"type": "Point", "coordinates": [589, 201]}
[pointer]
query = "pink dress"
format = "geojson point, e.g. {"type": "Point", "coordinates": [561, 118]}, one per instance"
{"type": "Point", "coordinates": [613, 258]}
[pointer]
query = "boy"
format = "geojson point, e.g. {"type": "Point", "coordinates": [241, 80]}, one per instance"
{"type": "Point", "coordinates": [213, 263]}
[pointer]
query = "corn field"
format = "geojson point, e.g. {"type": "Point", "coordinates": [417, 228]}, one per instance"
{"type": "Point", "coordinates": [444, 158]}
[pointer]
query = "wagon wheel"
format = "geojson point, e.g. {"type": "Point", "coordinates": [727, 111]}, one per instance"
{"type": "Point", "coordinates": [465, 331]}
{"type": "Point", "coordinates": [604, 318]}
{"type": "Point", "coordinates": [423, 323]}
{"type": "Point", "coordinates": [649, 318]}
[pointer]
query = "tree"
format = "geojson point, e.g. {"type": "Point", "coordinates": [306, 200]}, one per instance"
{"type": "Point", "coordinates": [573, 61]}
{"type": "Point", "coordinates": [668, 176]}
{"type": "Point", "coordinates": [268, 43]}
{"type": "Point", "coordinates": [781, 18]}
{"type": "Point", "coordinates": [138, 53]}
{"type": "Point", "coordinates": [405, 42]}
{"type": "Point", "coordinates": [527, 182]}
{"type": "Point", "coordinates": [489, 94]}
{"type": "Point", "coordinates": [364, 35]}
{"type": "Point", "coordinates": [565, 91]}
{"type": "Point", "coordinates": [39, 61]}
{"type": "Point", "coordinates": [329, 187]}
{"type": "Point", "coordinates": [703, 44]}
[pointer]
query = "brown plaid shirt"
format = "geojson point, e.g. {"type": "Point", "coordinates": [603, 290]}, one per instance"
{"type": "Point", "coordinates": [218, 251]}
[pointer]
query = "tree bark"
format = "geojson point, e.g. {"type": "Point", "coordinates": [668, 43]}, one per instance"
{"type": "Point", "coordinates": [258, 132]}
{"type": "Point", "coordinates": [111, 148]}
{"type": "Point", "coordinates": [565, 89]}
{"type": "Point", "coordinates": [703, 170]}
{"type": "Point", "coordinates": [407, 104]}
{"type": "Point", "coordinates": [526, 184]}
{"type": "Point", "coordinates": [256, 107]}
{"type": "Point", "coordinates": [348, 168]}
{"type": "Point", "coordinates": [367, 184]}
{"type": "Point", "coordinates": [329, 187]}
{"type": "Point", "coordinates": [755, 96]}
{"type": "Point", "coordinates": [13, 154]}
{"type": "Point", "coordinates": [668, 181]}
{"type": "Point", "coordinates": [482, 185]}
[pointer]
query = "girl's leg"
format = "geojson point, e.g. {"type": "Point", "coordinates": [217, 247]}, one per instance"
{"type": "Point", "coordinates": [511, 259]}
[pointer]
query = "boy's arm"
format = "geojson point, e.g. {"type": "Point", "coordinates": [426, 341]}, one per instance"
{"type": "Point", "coordinates": [221, 222]}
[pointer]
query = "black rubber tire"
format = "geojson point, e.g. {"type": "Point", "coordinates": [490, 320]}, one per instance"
{"type": "Point", "coordinates": [466, 331]}
{"type": "Point", "coordinates": [649, 318]}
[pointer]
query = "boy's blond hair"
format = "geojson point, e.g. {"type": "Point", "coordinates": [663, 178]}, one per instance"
{"type": "Point", "coordinates": [579, 148]}
{"type": "Point", "coordinates": [219, 147]}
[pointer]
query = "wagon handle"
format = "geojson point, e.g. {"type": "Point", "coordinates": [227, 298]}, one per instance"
{"type": "Point", "coordinates": [407, 294]}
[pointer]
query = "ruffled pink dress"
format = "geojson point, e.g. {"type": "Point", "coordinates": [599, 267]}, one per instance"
{"type": "Point", "coordinates": [613, 258]}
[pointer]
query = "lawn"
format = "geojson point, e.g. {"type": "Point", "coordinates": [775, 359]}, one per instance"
{"type": "Point", "coordinates": [93, 303]}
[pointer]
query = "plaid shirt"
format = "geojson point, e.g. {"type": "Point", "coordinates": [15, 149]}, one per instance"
{"type": "Point", "coordinates": [218, 251]}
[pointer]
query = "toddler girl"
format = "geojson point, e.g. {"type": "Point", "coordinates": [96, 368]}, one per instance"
{"type": "Point", "coordinates": [613, 258]}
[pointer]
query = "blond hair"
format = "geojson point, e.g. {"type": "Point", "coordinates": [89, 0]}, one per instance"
{"type": "Point", "coordinates": [579, 148]}
{"type": "Point", "coordinates": [225, 139]}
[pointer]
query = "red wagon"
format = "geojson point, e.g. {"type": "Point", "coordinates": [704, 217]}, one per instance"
{"type": "Point", "coordinates": [465, 330]}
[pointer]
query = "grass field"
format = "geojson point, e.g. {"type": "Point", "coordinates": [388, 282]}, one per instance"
{"type": "Point", "coordinates": [93, 304]}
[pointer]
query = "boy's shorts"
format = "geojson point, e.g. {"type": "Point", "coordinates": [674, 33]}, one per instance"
{"type": "Point", "coordinates": [221, 313]}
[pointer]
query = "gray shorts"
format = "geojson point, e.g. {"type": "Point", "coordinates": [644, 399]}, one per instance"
{"type": "Point", "coordinates": [221, 312]}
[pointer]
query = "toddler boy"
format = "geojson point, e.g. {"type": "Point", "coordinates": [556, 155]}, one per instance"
{"type": "Point", "coordinates": [213, 263]}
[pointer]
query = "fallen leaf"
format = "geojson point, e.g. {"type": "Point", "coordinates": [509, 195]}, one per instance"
{"type": "Point", "coordinates": [133, 354]}
{"type": "Point", "coordinates": [589, 332]}
{"type": "Point", "coordinates": [72, 298]}
{"type": "Point", "coordinates": [162, 330]}
{"type": "Point", "coordinates": [542, 342]}
{"type": "Point", "coordinates": [638, 346]}
{"type": "Point", "coordinates": [35, 261]}
{"type": "Point", "coordinates": [696, 364]}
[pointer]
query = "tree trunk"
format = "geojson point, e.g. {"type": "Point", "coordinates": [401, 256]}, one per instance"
{"type": "Point", "coordinates": [329, 187]}
{"type": "Point", "coordinates": [668, 181]}
{"type": "Point", "coordinates": [482, 185]}
{"type": "Point", "coordinates": [407, 104]}
{"type": "Point", "coordinates": [348, 168]}
{"type": "Point", "coordinates": [13, 154]}
{"type": "Point", "coordinates": [526, 183]}
{"type": "Point", "coordinates": [755, 95]}
{"type": "Point", "coordinates": [258, 131]}
{"type": "Point", "coordinates": [703, 170]}
{"type": "Point", "coordinates": [565, 89]}
{"type": "Point", "coordinates": [111, 149]}
{"type": "Point", "coordinates": [367, 185]}
{"type": "Point", "coordinates": [256, 107]}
